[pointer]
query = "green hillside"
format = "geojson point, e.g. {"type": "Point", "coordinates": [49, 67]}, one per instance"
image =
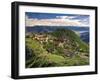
{"type": "Point", "coordinates": [72, 36]}
{"type": "Point", "coordinates": [59, 48]}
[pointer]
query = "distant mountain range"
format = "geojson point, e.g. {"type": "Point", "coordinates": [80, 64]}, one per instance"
{"type": "Point", "coordinates": [85, 36]}
{"type": "Point", "coordinates": [53, 28]}
{"type": "Point", "coordinates": [83, 31]}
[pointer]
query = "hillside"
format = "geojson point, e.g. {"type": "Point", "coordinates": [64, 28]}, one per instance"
{"type": "Point", "coordinates": [61, 47]}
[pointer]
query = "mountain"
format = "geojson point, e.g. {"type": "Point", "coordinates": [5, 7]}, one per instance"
{"type": "Point", "coordinates": [82, 31]}
{"type": "Point", "coordinates": [85, 36]}
{"type": "Point", "coordinates": [62, 47]}
{"type": "Point", "coordinates": [41, 29]}
{"type": "Point", "coordinates": [71, 36]}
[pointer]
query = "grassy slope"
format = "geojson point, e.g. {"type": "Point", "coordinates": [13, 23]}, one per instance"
{"type": "Point", "coordinates": [41, 57]}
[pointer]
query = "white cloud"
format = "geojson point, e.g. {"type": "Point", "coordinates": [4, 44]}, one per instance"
{"type": "Point", "coordinates": [65, 17]}
{"type": "Point", "coordinates": [58, 21]}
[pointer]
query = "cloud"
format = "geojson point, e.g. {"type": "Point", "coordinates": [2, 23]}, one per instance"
{"type": "Point", "coordinates": [65, 17]}
{"type": "Point", "coordinates": [58, 21]}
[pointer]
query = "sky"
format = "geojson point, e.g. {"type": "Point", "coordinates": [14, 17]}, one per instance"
{"type": "Point", "coordinates": [52, 19]}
